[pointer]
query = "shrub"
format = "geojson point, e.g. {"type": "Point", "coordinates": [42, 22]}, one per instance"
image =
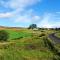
{"type": "Point", "coordinates": [4, 35]}
{"type": "Point", "coordinates": [42, 34]}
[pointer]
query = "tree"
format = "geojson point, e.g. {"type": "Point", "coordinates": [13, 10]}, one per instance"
{"type": "Point", "coordinates": [32, 26]}
{"type": "Point", "coordinates": [3, 35]}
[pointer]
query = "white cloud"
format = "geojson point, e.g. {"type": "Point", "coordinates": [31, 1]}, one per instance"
{"type": "Point", "coordinates": [45, 21]}
{"type": "Point", "coordinates": [49, 20]}
{"type": "Point", "coordinates": [6, 15]}
{"type": "Point", "coordinates": [22, 3]}
{"type": "Point", "coordinates": [36, 17]}
{"type": "Point", "coordinates": [56, 24]}
{"type": "Point", "coordinates": [23, 19]}
{"type": "Point", "coordinates": [41, 21]}
{"type": "Point", "coordinates": [28, 17]}
{"type": "Point", "coordinates": [18, 4]}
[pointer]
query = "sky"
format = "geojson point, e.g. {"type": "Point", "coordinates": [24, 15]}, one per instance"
{"type": "Point", "coordinates": [22, 13]}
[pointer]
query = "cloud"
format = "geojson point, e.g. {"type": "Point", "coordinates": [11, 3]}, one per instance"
{"type": "Point", "coordinates": [22, 3]}
{"type": "Point", "coordinates": [23, 19]}
{"type": "Point", "coordinates": [18, 4]}
{"type": "Point", "coordinates": [49, 20]}
{"type": "Point", "coordinates": [45, 21]}
{"type": "Point", "coordinates": [6, 15]}
{"type": "Point", "coordinates": [27, 17]}
{"type": "Point", "coordinates": [20, 14]}
{"type": "Point", "coordinates": [56, 24]}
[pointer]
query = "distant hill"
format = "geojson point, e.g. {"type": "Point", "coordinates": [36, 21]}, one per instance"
{"type": "Point", "coordinates": [5, 27]}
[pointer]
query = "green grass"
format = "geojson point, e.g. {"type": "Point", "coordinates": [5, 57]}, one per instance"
{"type": "Point", "coordinates": [30, 47]}
{"type": "Point", "coordinates": [26, 55]}
{"type": "Point", "coordinates": [58, 34]}
{"type": "Point", "coordinates": [21, 50]}
{"type": "Point", "coordinates": [17, 34]}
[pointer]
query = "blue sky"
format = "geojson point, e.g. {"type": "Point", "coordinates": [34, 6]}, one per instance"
{"type": "Point", "coordinates": [22, 13]}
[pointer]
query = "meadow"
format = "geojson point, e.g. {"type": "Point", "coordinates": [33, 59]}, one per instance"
{"type": "Point", "coordinates": [25, 44]}
{"type": "Point", "coordinates": [58, 34]}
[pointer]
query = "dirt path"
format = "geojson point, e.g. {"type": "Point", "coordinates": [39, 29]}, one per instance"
{"type": "Point", "coordinates": [54, 38]}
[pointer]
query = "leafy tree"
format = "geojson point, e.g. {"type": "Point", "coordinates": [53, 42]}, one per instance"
{"type": "Point", "coordinates": [4, 35]}
{"type": "Point", "coordinates": [32, 26]}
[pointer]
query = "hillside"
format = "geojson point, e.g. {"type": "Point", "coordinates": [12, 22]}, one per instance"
{"type": "Point", "coordinates": [28, 44]}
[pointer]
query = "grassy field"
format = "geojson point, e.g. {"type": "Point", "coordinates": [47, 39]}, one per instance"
{"type": "Point", "coordinates": [58, 34]}
{"type": "Point", "coordinates": [13, 34]}
{"type": "Point", "coordinates": [26, 44]}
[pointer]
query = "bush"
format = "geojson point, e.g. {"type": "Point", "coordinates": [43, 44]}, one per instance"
{"type": "Point", "coordinates": [4, 35]}
{"type": "Point", "coordinates": [42, 34]}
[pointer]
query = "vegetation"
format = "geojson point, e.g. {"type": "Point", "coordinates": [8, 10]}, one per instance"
{"type": "Point", "coordinates": [58, 34]}
{"type": "Point", "coordinates": [25, 44]}
{"type": "Point", "coordinates": [13, 34]}
{"type": "Point", "coordinates": [3, 35]}
{"type": "Point", "coordinates": [32, 26]}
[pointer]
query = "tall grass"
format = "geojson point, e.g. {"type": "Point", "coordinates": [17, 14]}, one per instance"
{"type": "Point", "coordinates": [31, 47]}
